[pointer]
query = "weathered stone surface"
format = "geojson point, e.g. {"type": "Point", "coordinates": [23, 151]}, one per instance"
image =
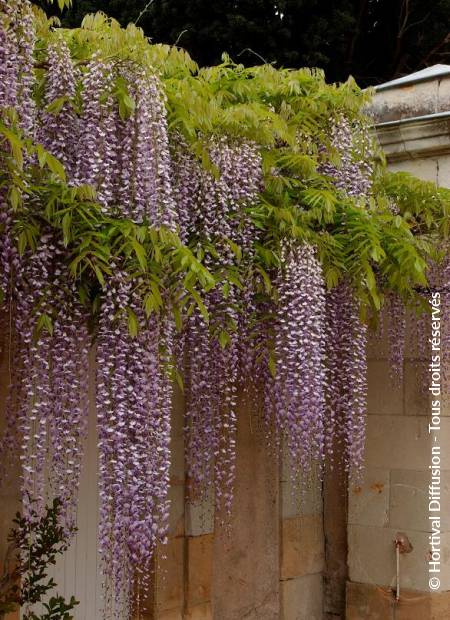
{"type": "Point", "coordinates": [199, 569]}
{"type": "Point", "coordinates": [405, 102]}
{"type": "Point", "coordinates": [366, 601]}
{"type": "Point", "coordinates": [409, 500]}
{"type": "Point", "coordinates": [200, 516]}
{"type": "Point", "coordinates": [245, 558]}
{"type": "Point", "coordinates": [302, 499]}
{"type": "Point", "coordinates": [383, 397]}
{"type": "Point", "coordinates": [369, 500]}
{"type": "Point", "coordinates": [400, 442]}
{"type": "Point", "coordinates": [301, 598]}
{"type": "Point", "coordinates": [426, 169]}
{"type": "Point", "coordinates": [370, 602]}
{"type": "Point", "coordinates": [371, 557]}
{"type": "Point", "coordinates": [377, 346]}
{"type": "Point", "coordinates": [170, 614]}
{"type": "Point", "coordinates": [177, 472]}
{"type": "Point", "coordinates": [169, 593]}
{"type": "Point", "coordinates": [335, 531]}
{"type": "Point", "coordinates": [176, 515]}
{"type": "Point", "coordinates": [199, 612]}
{"type": "Point", "coordinates": [417, 396]}
{"type": "Point", "coordinates": [302, 551]}
{"type": "Point", "coordinates": [443, 171]}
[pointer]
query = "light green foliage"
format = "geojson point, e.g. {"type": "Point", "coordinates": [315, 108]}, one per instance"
{"type": "Point", "coordinates": [289, 114]}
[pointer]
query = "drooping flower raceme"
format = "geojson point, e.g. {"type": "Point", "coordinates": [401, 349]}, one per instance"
{"type": "Point", "coordinates": [353, 175]}
{"type": "Point", "coordinates": [59, 126]}
{"type": "Point", "coordinates": [127, 160]}
{"type": "Point", "coordinates": [346, 333]}
{"type": "Point", "coordinates": [300, 352]}
{"type": "Point", "coordinates": [215, 209]}
{"type": "Point", "coordinates": [346, 382]}
{"type": "Point", "coordinates": [397, 334]}
{"type": "Point", "coordinates": [133, 411]}
{"type": "Point", "coordinates": [46, 409]}
{"type": "Point", "coordinates": [17, 37]}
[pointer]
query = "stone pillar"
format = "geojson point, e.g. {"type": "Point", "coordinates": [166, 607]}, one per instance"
{"type": "Point", "coordinates": [414, 129]}
{"type": "Point", "coordinates": [246, 554]}
{"type": "Point", "coordinates": [335, 531]}
{"type": "Point", "coordinates": [301, 547]}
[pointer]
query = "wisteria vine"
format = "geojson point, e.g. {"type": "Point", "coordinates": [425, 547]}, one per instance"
{"type": "Point", "coordinates": [271, 328]}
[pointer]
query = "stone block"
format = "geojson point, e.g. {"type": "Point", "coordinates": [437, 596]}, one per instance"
{"type": "Point", "coordinates": [170, 576]}
{"type": "Point", "coordinates": [405, 101]}
{"type": "Point", "coordinates": [199, 612]}
{"type": "Point", "coordinates": [177, 470]}
{"type": "Point", "coordinates": [425, 169]}
{"type": "Point", "coordinates": [178, 407]}
{"type": "Point", "coordinates": [402, 442]}
{"type": "Point", "coordinates": [444, 171]}
{"type": "Point", "coordinates": [383, 397]}
{"type": "Point", "coordinates": [370, 602]}
{"type": "Point", "coordinates": [335, 518]}
{"type": "Point", "coordinates": [377, 345]}
{"type": "Point", "coordinates": [366, 601]}
{"type": "Point", "coordinates": [409, 500]}
{"type": "Point", "coordinates": [368, 502]}
{"type": "Point", "coordinates": [372, 557]}
{"type": "Point", "coordinates": [170, 614]}
{"type": "Point", "coordinates": [199, 569]}
{"type": "Point", "coordinates": [177, 509]}
{"type": "Point", "coordinates": [301, 598]}
{"type": "Point", "coordinates": [302, 551]}
{"type": "Point", "coordinates": [199, 516]}
{"type": "Point", "coordinates": [304, 498]}
{"type": "Point", "coordinates": [417, 396]}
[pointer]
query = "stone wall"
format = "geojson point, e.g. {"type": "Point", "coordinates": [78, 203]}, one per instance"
{"type": "Point", "coordinates": [414, 130]}
{"type": "Point", "coordinates": [266, 564]}
{"type": "Point", "coordinates": [393, 496]}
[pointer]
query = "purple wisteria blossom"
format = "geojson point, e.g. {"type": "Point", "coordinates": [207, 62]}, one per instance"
{"type": "Point", "coordinates": [346, 382]}
{"type": "Point", "coordinates": [300, 352]}
{"type": "Point", "coordinates": [215, 209]}
{"type": "Point", "coordinates": [59, 128]}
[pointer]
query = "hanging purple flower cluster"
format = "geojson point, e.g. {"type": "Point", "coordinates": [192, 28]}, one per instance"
{"type": "Point", "coordinates": [48, 413]}
{"type": "Point", "coordinates": [353, 175]}
{"type": "Point", "coordinates": [17, 37]}
{"type": "Point", "coordinates": [126, 158]}
{"type": "Point", "coordinates": [346, 334]}
{"type": "Point", "coordinates": [346, 381]}
{"type": "Point", "coordinates": [133, 411]}
{"type": "Point", "coordinates": [46, 409]}
{"type": "Point", "coordinates": [59, 126]}
{"type": "Point", "coordinates": [396, 312]}
{"type": "Point", "coordinates": [215, 209]}
{"type": "Point", "coordinates": [300, 351]}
